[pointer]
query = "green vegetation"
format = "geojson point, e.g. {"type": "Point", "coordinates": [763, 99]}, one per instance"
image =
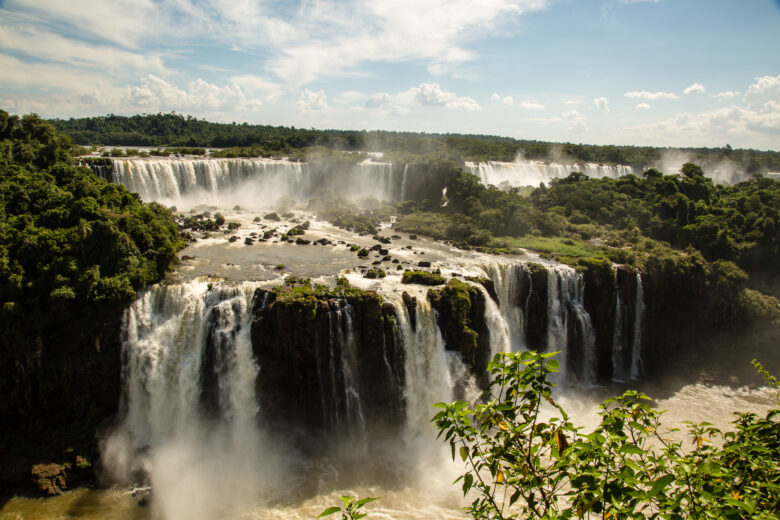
{"type": "Point", "coordinates": [244, 140]}
{"type": "Point", "coordinates": [375, 273]}
{"type": "Point", "coordinates": [351, 508]}
{"type": "Point", "coordinates": [422, 278]}
{"type": "Point", "coordinates": [301, 290]}
{"type": "Point", "coordinates": [523, 462]}
{"type": "Point", "coordinates": [73, 248]}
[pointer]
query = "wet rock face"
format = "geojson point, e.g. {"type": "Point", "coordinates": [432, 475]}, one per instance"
{"type": "Point", "coordinates": [460, 314]}
{"type": "Point", "coordinates": [328, 365]}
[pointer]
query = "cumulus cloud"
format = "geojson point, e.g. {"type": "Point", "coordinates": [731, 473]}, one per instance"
{"type": "Point", "coordinates": [577, 122]}
{"type": "Point", "coordinates": [200, 96]}
{"type": "Point", "coordinates": [644, 94]}
{"type": "Point", "coordinates": [643, 106]}
{"type": "Point", "coordinates": [696, 88]}
{"type": "Point", "coordinates": [766, 89]}
{"type": "Point", "coordinates": [602, 104]}
{"type": "Point", "coordinates": [312, 101]}
{"type": "Point", "coordinates": [431, 94]}
{"type": "Point", "coordinates": [507, 101]}
{"type": "Point", "coordinates": [379, 99]}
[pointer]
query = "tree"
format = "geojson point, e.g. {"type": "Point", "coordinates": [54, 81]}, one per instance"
{"type": "Point", "coordinates": [691, 170]}
{"type": "Point", "coordinates": [526, 459]}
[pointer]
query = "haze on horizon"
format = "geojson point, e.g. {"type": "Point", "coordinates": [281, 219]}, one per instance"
{"type": "Point", "coordinates": [642, 72]}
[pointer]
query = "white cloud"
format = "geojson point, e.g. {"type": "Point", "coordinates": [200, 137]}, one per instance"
{"type": "Point", "coordinates": [336, 37]}
{"type": "Point", "coordinates": [602, 104]}
{"type": "Point", "coordinates": [644, 94]}
{"type": "Point", "coordinates": [312, 101]}
{"type": "Point", "coordinates": [253, 85]}
{"type": "Point", "coordinates": [766, 89]}
{"type": "Point", "coordinates": [643, 106]}
{"type": "Point", "coordinates": [38, 43]}
{"type": "Point", "coordinates": [696, 88]}
{"type": "Point", "coordinates": [200, 96]}
{"type": "Point", "coordinates": [508, 100]}
{"type": "Point", "coordinates": [530, 105]}
{"type": "Point", "coordinates": [572, 102]}
{"type": "Point", "coordinates": [431, 94]}
{"type": "Point", "coordinates": [722, 96]}
{"type": "Point", "coordinates": [577, 122]}
{"type": "Point", "coordinates": [379, 99]}
{"type": "Point", "coordinates": [639, 1]}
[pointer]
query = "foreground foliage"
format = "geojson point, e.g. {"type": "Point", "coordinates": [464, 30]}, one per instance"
{"type": "Point", "coordinates": [526, 459]}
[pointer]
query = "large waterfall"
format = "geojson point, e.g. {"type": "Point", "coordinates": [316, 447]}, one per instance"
{"type": "Point", "coordinates": [252, 183]}
{"type": "Point", "coordinates": [532, 173]}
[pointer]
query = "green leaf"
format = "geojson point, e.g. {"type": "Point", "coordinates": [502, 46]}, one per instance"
{"type": "Point", "coordinates": [464, 453]}
{"type": "Point", "coordinates": [329, 511]}
{"type": "Point", "coordinates": [660, 484]}
{"type": "Point", "coordinates": [631, 449]}
{"type": "Point", "coordinates": [364, 501]}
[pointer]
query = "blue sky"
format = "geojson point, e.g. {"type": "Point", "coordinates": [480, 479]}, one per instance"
{"type": "Point", "coordinates": [643, 72]}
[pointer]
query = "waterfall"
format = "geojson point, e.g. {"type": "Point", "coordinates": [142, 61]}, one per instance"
{"type": "Point", "coordinates": [637, 367]}
{"type": "Point", "coordinates": [403, 183]}
{"type": "Point", "coordinates": [618, 338]}
{"type": "Point", "coordinates": [530, 173]}
{"type": "Point", "coordinates": [189, 415]}
{"type": "Point", "coordinates": [251, 183]}
{"type": "Point", "coordinates": [506, 279]}
{"type": "Point", "coordinates": [565, 291]}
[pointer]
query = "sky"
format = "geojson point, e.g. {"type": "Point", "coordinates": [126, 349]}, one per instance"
{"type": "Point", "coordinates": [636, 72]}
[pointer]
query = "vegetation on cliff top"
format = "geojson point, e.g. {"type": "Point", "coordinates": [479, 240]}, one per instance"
{"type": "Point", "coordinates": [72, 247]}
{"type": "Point", "coordinates": [263, 140]}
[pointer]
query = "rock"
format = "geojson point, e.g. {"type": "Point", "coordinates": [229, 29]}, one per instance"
{"type": "Point", "coordinates": [248, 241]}
{"type": "Point", "coordinates": [376, 247]}
{"type": "Point", "coordinates": [386, 258]}
{"type": "Point", "coordinates": [302, 241]}
{"type": "Point", "coordinates": [233, 238]}
{"type": "Point", "coordinates": [423, 263]}
{"type": "Point", "coordinates": [50, 478]}
{"type": "Point", "coordinates": [377, 262]}
{"type": "Point", "coordinates": [383, 252]}
{"type": "Point", "coordinates": [396, 237]}
{"type": "Point", "coordinates": [412, 237]}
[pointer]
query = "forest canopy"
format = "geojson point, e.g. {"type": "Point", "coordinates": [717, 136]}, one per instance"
{"type": "Point", "coordinates": [73, 248]}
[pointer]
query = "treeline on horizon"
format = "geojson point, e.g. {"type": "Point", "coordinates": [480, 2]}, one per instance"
{"type": "Point", "coordinates": [176, 130]}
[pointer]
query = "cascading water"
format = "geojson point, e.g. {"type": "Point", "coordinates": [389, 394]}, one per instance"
{"type": "Point", "coordinates": [531, 173]}
{"type": "Point", "coordinates": [507, 279]}
{"type": "Point", "coordinates": [565, 292]}
{"type": "Point", "coordinates": [190, 423]}
{"type": "Point", "coordinates": [618, 338]}
{"type": "Point", "coordinates": [251, 183]}
{"type": "Point", "coordinates": [637, 367]}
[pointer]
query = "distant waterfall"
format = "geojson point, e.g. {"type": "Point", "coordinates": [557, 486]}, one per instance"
{"type": "Point", "coordinates": [532, 173]}
{"type": "Point", "coordinates": [251, 182]}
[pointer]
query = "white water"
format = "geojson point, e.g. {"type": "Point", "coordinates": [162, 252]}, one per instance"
{"type": "Point", "coordinates": [532, 173]}
{"type": "Point", "coordinates": [250, 183]}
{"type": "Point", "coordinates": [196, 467]}
{"type": "Point", "coordinates": [565, 289]}
{"type": "Point", "coordinates": [637, 367]}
